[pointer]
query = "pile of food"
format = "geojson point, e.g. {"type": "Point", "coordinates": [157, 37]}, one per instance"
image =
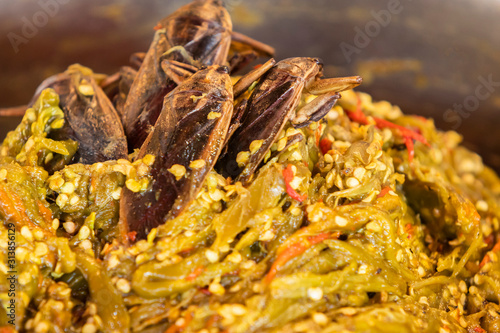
{"type": "Point", "coordinates": [175, 196]}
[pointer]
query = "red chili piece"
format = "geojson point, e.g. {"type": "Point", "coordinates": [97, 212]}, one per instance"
{"type": "Point", "coordinates": [325, 145]}
{"type": "Point", "coordinates": [384, 191]}
{"type": "Point", "coordinates": [288, 175]}
{"type": "Point", "coordinates": [407, 134]}
{"type": "Point", "coordinates": [194, 274]}
{"type": "Point", "coordinates": [132, 235]}
{"type": "Point", "coordinates": [295, 250]}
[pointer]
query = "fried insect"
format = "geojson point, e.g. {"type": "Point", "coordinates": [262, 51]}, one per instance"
{"type": "Point", "coordinates": [272, 103]}
{"type": "Point", "coordinates": [198, 34]}
{"type": "Point", "coordinates": [90, 118]}
{"type": "Point", "coordinates": [191, 127]}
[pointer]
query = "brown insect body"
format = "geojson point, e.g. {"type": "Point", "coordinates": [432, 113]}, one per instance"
{"type": "Point", "coordinates": [183, 133]}
{"type": "Point", "coordinates": [273, 102]}
{"type": "Point", "coordinates": [198, 33]}
{"type": "Point", "coordinates": [90, 118]}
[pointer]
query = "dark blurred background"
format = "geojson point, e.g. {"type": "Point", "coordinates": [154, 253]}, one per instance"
{"type": "Point", "coordinates": [429, 57]}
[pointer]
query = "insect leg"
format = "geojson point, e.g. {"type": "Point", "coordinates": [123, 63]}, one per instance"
{"type": "Point", "coordinates": [315, 110]}
{"type": "Point", "coordinates": [338, 84]}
